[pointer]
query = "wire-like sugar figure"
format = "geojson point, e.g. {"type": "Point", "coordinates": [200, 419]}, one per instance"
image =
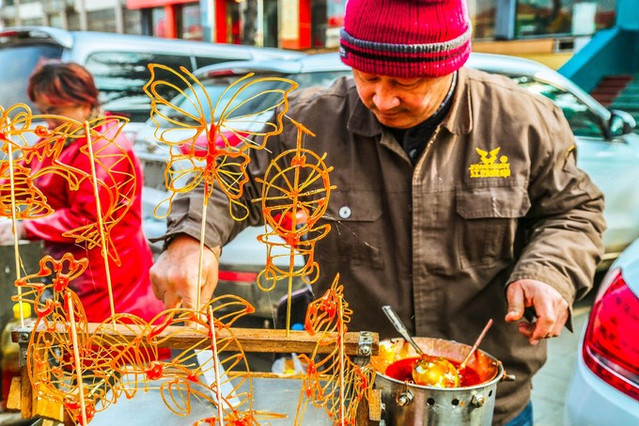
{"type": "Point", "coordinates": [87, 369]}
{"type": "Point", "coordinates": [332, 381]}
{"type": "Point", "coordinates": [17, 132]}
{"type": "Point", "coordinates": [114, 361]}
{"type": "Point", "coordinates": [236, 119]}
{"type": "Point", "coordinates": [213, 138]}
{"type": "Point", "coordinates": [33, 151]}
{"type": "Point", "coordinates": [295, 193]}
{"type": "Point", "coordinates": [19, 197]}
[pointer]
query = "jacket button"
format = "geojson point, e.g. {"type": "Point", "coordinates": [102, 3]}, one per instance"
{"type": "Point", "coordinates": [345, 212]}
{"type": "Point", "coordinates": [410, 207]}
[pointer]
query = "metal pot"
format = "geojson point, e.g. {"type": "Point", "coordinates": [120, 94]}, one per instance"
{"type": "Point", "coordinates": [411, 404]}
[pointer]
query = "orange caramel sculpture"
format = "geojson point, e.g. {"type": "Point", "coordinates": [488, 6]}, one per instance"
{"type": "Point", "coordinates": [333, 381]}
{"type": "Point", "coordinates": [213, 137]}
{"type": "Point", "coordinates": [112, 362]}
{"type": "Point", "coordinates": [87, 367]}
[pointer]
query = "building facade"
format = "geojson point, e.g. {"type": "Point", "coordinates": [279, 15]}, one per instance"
{"type": "Point", "coordinates": [308, 24]}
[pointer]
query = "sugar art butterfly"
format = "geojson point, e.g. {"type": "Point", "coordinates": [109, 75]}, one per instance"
{"type": "Point", "coordinates": [209, 130]}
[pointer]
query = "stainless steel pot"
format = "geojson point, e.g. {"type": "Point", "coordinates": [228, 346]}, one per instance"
{"type": "Point", "coordinates": [410, 404]}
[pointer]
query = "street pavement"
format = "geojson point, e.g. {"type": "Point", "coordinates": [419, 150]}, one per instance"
{"type": "Point", "coordinates": [551, 382]}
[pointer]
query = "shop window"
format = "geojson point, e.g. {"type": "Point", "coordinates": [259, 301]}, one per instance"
{"type": "Point", "coordinates": [482, 15]}
{"type": "Point", "coordinates": [319, 23]}
{"type": "Point", "coordinates": [101, 20]}
{"type": "Point", "coordinates": [190, 22]}
{"type": "Point", "coordinates": [569, 17]}
{"type": "Point", "coordinates": [133, 21]}
{"type": "Point", "coordinates": [270, 36]}
{"type": "Point", "coordinates": [158, 22]}
{"type": "Point", "coordinates": [334, 21]}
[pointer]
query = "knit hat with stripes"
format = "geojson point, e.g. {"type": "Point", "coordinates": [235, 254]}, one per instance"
{"type": "Point", "coordinates": [406, 38]}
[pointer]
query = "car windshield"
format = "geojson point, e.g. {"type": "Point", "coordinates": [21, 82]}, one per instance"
{"type": "Point", "coordinates": [582, 120]}
{"type": "Point", "coordinates": [17, 64]}
{"type": "Point", "coordinates": [121, 76]}
{"type": "Point", "coordinates": [248, 102]}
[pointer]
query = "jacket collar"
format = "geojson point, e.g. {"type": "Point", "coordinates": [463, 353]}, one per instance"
{"type": "Point", "coordinates": [459, 119]}
{"type": "Point", "coordinates": [361, 120]}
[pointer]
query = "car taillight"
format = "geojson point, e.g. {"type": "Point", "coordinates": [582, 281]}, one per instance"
{"type": "Point", "coordinates": [611, 342]}
{"type": "Point", "coordinates": [237, 276]}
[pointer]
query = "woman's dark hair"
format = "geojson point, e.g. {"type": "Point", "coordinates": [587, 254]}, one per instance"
{"type": "Point", "coordinates": [63, 84]}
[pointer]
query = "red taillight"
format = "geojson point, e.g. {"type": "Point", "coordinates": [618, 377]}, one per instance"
{"type": "Point", "coordinates": [611, 343]}
{"type": "Point", "coordinates": [234, 276]}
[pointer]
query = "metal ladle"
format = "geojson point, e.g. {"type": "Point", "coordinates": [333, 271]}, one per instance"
{"type": "Point", "coordinates": [429, 370]}
{"type": "Point", "coordinates": [401, 328]}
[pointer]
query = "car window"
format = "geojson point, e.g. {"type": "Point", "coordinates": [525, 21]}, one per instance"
{"type": "Point", "coordinates": [250, 100]}
{"type": "Point", "coordinates": [246, 103]}
{"type": "Point", "coordinates": [202, 61]}
{"type": "Point", "coordinates": [121, 76]}
{"type": "Point", "coordinates": [18, 62]}
{"type": "Point", "coordinates": [582, 120]}
{"type": "Point", "coordinates": [321, 79]}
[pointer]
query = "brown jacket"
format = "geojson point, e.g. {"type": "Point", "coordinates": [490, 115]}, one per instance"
{"type": "Point", "coordinates": [496, 197]}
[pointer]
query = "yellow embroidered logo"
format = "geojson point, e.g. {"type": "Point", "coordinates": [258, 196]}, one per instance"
{"type": "Point", "coordinates": [488, 167]}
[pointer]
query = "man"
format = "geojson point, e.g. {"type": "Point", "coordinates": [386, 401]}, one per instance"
{"type": "Point", "coordinates": [458, 198]}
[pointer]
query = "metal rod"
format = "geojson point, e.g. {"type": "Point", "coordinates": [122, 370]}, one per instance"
{"type": "Point", "coordinates": [401, 328]}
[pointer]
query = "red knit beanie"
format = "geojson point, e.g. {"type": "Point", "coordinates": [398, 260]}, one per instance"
{"type": "Point", "coordinates": [406, 38]}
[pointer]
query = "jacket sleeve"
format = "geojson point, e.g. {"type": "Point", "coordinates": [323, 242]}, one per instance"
{"type": "Point", "coordinates": [564, 226]}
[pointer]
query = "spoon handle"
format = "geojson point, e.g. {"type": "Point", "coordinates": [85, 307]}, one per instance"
{"type": "Point", "coordinates": [401, 329]}
{"type": "Point", "coordinates": [477, 342]}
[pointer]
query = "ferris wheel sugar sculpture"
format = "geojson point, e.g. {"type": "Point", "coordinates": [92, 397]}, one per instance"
{"type": "Point", "coordinates": [295, 193]}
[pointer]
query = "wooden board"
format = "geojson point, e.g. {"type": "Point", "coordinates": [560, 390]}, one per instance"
{"type": "Point", "coordinates": [250, 339]}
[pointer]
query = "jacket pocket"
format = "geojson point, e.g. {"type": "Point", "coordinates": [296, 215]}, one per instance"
{"type": "Point", "coordinates": [488, 219]}
{"type": "Point", "coordinates": [355, 236]}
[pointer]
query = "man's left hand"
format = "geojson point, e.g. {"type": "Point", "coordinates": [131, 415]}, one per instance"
{"type": "Point", "coordinates": [551, 309]}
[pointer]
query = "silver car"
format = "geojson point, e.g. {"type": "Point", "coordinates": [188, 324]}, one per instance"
{"type": "Point", "coordinates": [604, 388]}
{"type": "Point", "coordinates": [608, 150]}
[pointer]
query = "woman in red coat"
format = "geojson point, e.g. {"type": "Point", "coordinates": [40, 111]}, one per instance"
{"type": "Point", "coordinates": [68, 90]}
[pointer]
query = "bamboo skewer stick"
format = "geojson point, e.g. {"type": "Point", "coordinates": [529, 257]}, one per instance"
{"type": "Point", "coordinates": [216, 367]}
{"type": "Point", "coordinates": [96, 194]}
{"type": "Point", "coordinates": [14, 221]}
{"type": "Point", "coordinates": [340, 336]}
{"type": "Point", "coordinates": [76, 356]}
{"type": "Point", "coordinates": [200, 278]}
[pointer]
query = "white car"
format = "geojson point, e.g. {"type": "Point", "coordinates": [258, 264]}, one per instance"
{"type": "Point", "coordinates": [604, 388]}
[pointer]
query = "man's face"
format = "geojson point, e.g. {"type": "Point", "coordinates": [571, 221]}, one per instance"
{"type": "Point", "coordinates": [401, 103]}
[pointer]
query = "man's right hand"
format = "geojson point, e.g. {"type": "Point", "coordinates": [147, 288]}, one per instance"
{"type": "Point", "coordinates": [174, 274]}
